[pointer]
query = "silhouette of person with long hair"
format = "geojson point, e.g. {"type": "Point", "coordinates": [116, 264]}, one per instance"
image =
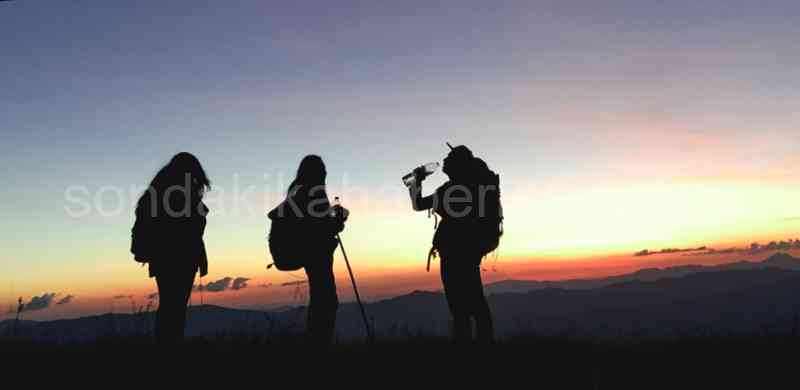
{"type": "Point", "coordinates": [460, 243]}
{"type": "Point", "coordinates": [168, 235]}
{"type": "Point", "coordinates": [307, 205]}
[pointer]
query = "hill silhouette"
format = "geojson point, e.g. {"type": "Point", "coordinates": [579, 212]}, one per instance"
{"type": "Point", "coordinates": [778, 260]}
{"type": "Point", "coordinates": [737, 298]}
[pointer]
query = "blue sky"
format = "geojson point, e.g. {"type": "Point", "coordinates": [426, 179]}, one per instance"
{"type": "Point", "coordinates": [558, 96]}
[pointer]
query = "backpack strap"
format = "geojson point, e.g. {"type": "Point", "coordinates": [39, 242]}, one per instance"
{"type": "Point", "coordinates": [431, 254]}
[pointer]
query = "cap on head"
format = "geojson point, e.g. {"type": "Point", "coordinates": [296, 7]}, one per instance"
{"type": "Point", "coordinates": [458, 161]}
{"type": "Point", "coordinates": [460, 152]}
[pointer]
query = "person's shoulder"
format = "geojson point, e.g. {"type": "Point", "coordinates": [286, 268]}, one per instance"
{"type": "Point", "coordinates": [282, 210]}
{"type": "Point", "coordinates": [145, 199]}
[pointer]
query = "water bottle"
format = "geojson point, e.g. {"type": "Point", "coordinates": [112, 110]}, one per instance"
{"type": "Point", "coordinates": [337, 211]}
{"type": "Point", "coordinates": [429, 168]}
{"type": "Point", "coordinates": [336, 205]}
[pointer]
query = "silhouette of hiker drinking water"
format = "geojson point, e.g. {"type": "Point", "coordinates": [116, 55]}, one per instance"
{"type": "Point", "coordinates": [303, 235]}
{"type": "Point", "coordinates": [168, 235]}
{"type": "Point", "coordinates": [471, 226]}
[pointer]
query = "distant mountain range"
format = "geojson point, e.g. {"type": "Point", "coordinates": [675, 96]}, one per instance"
{"type": "Point", "coordinates": [779, 260]}
{"type": "Point", "coordinates": [742, 297]}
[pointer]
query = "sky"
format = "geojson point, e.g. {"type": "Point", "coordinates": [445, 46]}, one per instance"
{"type": "Point", "coordinates": [616, 126]}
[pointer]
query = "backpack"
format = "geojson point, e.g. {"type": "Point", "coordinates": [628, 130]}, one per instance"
{"type": "Point", "coordinates": [142, 237]}
{"type": "Point", "coordinates": [287, 253]}
{"type": "Point", "coordinates": [489, 218]}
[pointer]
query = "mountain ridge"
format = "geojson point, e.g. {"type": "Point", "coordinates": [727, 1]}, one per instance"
{"type": "Point", "coordinates": [735, 297]}
{"type": "Point", "coordinates": [778, 260]}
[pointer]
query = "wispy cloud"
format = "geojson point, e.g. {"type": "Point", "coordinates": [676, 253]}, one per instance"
{"type": "Point", "coordinates": [648, 252]}
{"type": "Point", "coordinates": [226, 283]}
{"type": "Point", "coordinates": [703, 250]}
{"type": "Point", "coordinates": [216, 286]}
{"type": "Point", "coordinates": [40, 302]}
{"type": "Point", "coordinates": [755, 248]}
{"type": "Point", "coordinates": [67, 299]}
{"type": "Point", "coordinates": [240, 283]}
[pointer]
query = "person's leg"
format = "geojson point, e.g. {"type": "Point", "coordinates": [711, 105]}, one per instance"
{"type": "Point", "coordinates": [184, 292]}
{"type": "Point", "coordinates": [323, 302]}
{"type": "Point", "coordinates": [166, 309]}
{"type": "Point", "coordinates": [174, 289]}
{"type": "Point", "coordinates": [330, 305]}
{"type": "Point", "coordinates": [313, 296]}
{"type": "Point", "coordinates": [454, 290]}
{"type": "Point", "coordinates": [479, 306]}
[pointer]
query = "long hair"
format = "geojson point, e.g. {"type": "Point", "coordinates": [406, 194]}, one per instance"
{"type": "Point", "coordinates": [183, 170]}
{"type": "Point", "coordinates": [310, 175]}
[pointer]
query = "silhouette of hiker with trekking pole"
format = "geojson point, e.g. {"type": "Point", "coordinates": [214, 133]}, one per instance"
{"type": "Point", "coordinates": [471, 226]}
{"type": "Point", "coordinates": [304, 233]}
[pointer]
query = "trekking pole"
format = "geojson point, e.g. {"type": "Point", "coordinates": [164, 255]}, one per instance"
{"type": "Point", "coordinates": [370, 336]}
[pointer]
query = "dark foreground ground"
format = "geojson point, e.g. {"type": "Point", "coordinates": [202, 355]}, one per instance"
{"type": "Point", "coordinates": [759, 361]}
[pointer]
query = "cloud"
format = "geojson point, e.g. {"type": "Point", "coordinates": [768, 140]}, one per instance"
{"type": "Point", "coordinates": [226, 283]}
{"type": "Point", "coordinates": [123, 297]}
{"type": "Point", "coordinates": [40, 302]}
{"type": "Point", "coordinates": [648, 252]}
{"type": "Point", "coordinates": [295, 283]}
{"type": "Point", "coordinates": [218, 286]}
{"type": "Point", "coordinates": [65, 300]}
{"type": "Point", "coordinates": [239, 283]}
{"type": "Point", "coordinates": [755, 248]}
{"type": "Point", "coordinates": [152, 296]}
{"type": "Point", "coordinates": [265, 285]}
